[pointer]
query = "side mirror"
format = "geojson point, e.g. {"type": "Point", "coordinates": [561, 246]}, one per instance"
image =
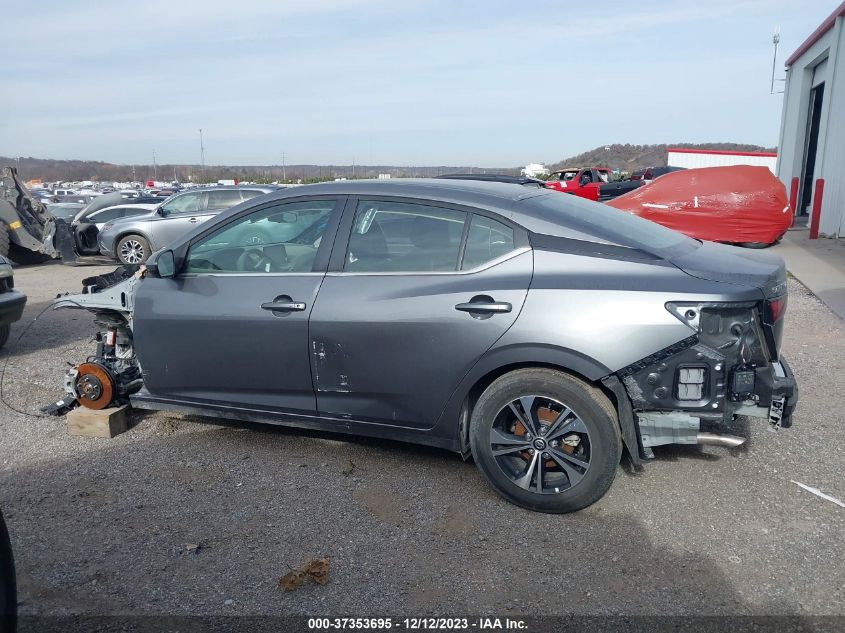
{"type": "Point", "coordinates": [160, 211]}
{"type": "Point", "coordinates": [163, 264]}
{"type": "Point", "coordinates": [285, 217]}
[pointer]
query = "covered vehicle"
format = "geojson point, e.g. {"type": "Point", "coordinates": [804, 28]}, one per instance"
{"type": "Point", "coordinates": [538, 332]}
{"type": "Point", "coordinates": [740, 204]}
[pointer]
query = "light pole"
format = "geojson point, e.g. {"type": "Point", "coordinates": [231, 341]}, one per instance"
{"type": "Point", "coordinates": [284, 174]}
{"type": "Point", "coordinates": [775, 41]}
{"type": "Point", "coordinates": [155, 167]}
{"type": "Point", "coordinates": [202, 153]}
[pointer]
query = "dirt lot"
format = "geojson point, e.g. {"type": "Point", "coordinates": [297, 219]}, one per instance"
{"type": "Point", "coordinates": [182, 517]}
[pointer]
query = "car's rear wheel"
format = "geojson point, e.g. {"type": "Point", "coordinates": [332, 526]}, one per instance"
{"type": "Point", "coordinates": [132, 249]}
{"type": "Point", "coordinates": [546, 440]}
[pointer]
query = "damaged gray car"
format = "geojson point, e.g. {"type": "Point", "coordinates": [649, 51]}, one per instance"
{"type": "Point", "coordinates": [540, 334]}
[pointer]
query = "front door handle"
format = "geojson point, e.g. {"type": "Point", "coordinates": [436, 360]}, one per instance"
{"type": "Point", "coordinates": [193, 220]}
{"type": "Point", "coordinates": [284, 306]}
{"type": "Point", "coordinates": [487, 307]}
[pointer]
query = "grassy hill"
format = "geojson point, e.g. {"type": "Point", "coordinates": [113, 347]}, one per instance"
{"type": "Point", "coordinates": [630, 157]}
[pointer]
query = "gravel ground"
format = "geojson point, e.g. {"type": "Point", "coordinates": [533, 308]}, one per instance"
{"type": "Point", "coordinates": [179, 516]}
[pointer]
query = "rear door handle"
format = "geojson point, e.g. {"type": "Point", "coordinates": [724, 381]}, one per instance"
{"type": "Point", "coordinates": [284, 306]}
{"type": "Point", "coordinates": [492, 307]}
{"type": "Point", "coordinates": [193, 220]}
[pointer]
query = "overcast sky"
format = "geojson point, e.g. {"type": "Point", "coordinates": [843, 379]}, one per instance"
{"type": "Point", "coordinates": [416, 82]}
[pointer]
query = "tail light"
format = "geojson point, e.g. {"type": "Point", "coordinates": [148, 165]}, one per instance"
{"type": "Point", "coordinates": [775, 309]}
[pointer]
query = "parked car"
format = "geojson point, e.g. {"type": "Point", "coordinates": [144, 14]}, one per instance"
{"type": "Point", "coordinates": [650, 173]}
{"type": "Point", "coordinates": [132, 240]}
{"type": "Point", "coordinates": [592, 184]}
{"type": "Point", "coordinates": [737, 204]}
{"type": "Point", "coordinates": [8, 586]}
{"type": "Point", "coordinates": [101, 217]}
{"type": "Point", "coordinates": [65, 210]}
{"type": "Point", "coordinates": [537, 332]}
{"type": "Point", "coordinates": [12, 301]}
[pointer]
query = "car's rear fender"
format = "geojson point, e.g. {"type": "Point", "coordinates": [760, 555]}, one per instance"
{"type": "Point", "coordinates": [499, 361]}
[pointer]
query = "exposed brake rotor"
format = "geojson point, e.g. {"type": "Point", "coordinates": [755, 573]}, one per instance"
{"type": "Point", "coordinates": [546, 416]}
{"type": "Point", "coordinates": [94, 386]}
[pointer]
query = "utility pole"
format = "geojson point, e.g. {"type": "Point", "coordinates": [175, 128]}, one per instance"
{"type": "Point", "coordinates": [202, 153]}
{"type": "Point", "coordinates": [775, 41]}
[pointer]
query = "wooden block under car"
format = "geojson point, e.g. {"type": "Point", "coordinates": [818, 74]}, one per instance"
{"type": "Point", "coordinates": [101, 423]}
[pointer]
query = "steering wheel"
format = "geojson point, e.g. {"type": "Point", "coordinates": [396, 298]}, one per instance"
{"type": "Point", "coordinates": [253, 260]}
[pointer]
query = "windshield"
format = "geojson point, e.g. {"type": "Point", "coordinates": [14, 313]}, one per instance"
{"type": "Point", "coordinates": [554, 213]}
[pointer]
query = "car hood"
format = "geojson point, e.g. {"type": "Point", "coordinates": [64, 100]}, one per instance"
{"type": "Point", "coordinates": [100, 202]}
{"type": "Point", "coordinates": [735, 265]}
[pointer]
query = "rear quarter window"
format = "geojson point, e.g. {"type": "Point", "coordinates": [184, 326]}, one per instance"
{"type": "Point", "coordinates": [559, 215]}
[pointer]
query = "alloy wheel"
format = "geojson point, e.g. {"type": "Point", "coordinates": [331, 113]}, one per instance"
{"type": "Point", "coordinates": [132, 252]}
{"type": "Point", "coordinates": [540, 444]}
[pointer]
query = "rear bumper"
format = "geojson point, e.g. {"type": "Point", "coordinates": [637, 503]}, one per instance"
{"type": "Point", "coordinates": [783, 389]}
{"type": "Point", "coordinates": [776, 392]}
{"type": "Point", "coordinates": [11, 306]}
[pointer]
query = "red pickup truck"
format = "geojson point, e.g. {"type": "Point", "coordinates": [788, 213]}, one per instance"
{"type": "Point", "coordinates": [593, 183]}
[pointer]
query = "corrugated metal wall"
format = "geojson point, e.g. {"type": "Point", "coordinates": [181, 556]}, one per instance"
{"type": "Point", "coordinates": [820, 63]}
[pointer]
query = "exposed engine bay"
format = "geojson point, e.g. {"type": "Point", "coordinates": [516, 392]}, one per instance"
{"type": "Point", "coordinates": [112, 373]}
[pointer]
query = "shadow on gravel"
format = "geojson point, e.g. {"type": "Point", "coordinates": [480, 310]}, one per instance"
{"type": "Point", "coordinates": [51, 329]}
{"type": "Point", "coordinates": [174, 518]}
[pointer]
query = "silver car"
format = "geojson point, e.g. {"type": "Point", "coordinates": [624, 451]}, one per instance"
{"type": "Point", "coordinates": [132, 240]}
{"type": "Point", "coordinates": [539, 333]}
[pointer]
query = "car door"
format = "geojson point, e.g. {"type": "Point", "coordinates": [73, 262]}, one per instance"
{"type": "Point", "coordinates": [416, 293]}
{"type": "Point", "coordinates": [231, 328]}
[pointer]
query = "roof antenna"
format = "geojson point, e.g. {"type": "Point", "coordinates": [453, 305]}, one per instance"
{"type": "Point", "coordinates": [775, 42]}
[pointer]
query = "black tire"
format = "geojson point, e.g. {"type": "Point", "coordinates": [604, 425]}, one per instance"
{"type": "Point", "coordinates": [4, 240]}
{"type": "Point", "coordinates": [601, 443]}
{"type": "Point", "coordinates": [8, 589]}
{"type": "Point", "coordinates": [4, 334]}
{"type": "Point", "coordinates": [26, 257]}
{"type": "Point", "coordinates": [129, 244]}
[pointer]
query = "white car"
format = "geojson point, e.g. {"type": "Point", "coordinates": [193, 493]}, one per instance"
{"type": "Point", "coordinates": [117, 212]}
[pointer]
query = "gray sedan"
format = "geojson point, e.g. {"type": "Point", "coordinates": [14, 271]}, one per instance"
{"type": "Point", "coordinates": [132, 240]}
{"type": "Point", "coordinates": [539, 333]}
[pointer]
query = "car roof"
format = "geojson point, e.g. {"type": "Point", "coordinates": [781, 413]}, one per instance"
{"type": "Point", "coordinates": [477, 192]}
{"type": "Point", "coordinates": [267, 188]}
{"type": "Point", "coordinates": [144, 206]}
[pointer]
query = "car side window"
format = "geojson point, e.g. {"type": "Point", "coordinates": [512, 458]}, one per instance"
{"type": "Point", "coordinates": [487, 239]}
{"type": "Point", "coordinates": [282, 238]}
{"type": "Point", "coordinates": [402, 237]}
{"type": "Point", "coordinates": [246, 194]}
{"type": "Point", "coordinates": [187, 203]}
{"type": "Point", "coordinates": [223, 199]}
{"type": "Point", "coordinates": [108, 214]}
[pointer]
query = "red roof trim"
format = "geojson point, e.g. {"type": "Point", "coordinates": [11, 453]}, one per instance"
{"type": "Point", "coordinates": [816, 35]}
{"type": "Point", "coordinates": [679, 150]}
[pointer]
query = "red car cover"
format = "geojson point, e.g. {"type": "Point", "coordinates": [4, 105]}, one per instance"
{"type": "Point", "coordinates": [739, 204]}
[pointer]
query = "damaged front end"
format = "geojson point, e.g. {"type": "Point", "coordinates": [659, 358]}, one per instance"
{"type": "Point", "coordinates": [729, 366]}
{"type": "Point", "coordinates": [112, 373]}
